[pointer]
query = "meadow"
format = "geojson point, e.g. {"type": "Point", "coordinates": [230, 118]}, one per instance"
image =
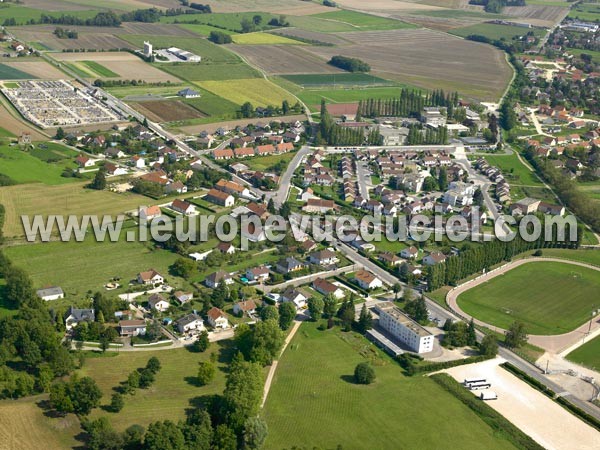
{"type": "Point", "coordinates": [548, 297]}
{"type": "Point", "coordinates": [585, 11]}
{"type": "Point", "coordinates": [228, 21]}
{"type": "Point", "coordinates": [173, 393]}
{"type": "Point", "coordinates": [60, 264]}
{"type": "Point", "coordinates": [203, 29]}
{"type": "Point", "coordinates": [10, 73]}
{"type": "Point", "coordinates": [23, 14]}
{"type": "Point", "coordinates": [333, 80]}
{"type": "Point", "coordinates": [257, 91]}
{"type": "Point", "coordinates": [588, 354]}
{"type": "Point", "coordinates": [363, 22]}
{"type": "Point", "coordinates": [202, 72]}
{"type": "Point", "coordinates": [264, 39]}
{"type": "Point", "coordinates": [212, 105]}
{"type": "Point", "coordinates": [30, 167]}
{"type": "Point", "coordinates": [314, 402]}
{"type": "Point", "coordinates": [495, 31]}
{"type": "Point", "coordinates": [99, 69]}
{"type": "Point", "coordinates": [514, 170]}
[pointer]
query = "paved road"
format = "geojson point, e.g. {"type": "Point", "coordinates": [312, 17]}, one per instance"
{"type": "Point", "coordinates": [364, 179]}
{"type": "Point", "coordinates": [285, 182]}
{"type": "Point", "coordinates": [553, 343]}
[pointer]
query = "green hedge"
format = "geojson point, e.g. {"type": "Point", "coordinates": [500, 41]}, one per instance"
{"type": "Point", "coordinates": [529, 380]}
{"type": "Point", "coordinates": [414, 369]}
{"type": "Point", "coordinates": [589, 419]}
{"type": "Point", "coordinates": [501, 426]}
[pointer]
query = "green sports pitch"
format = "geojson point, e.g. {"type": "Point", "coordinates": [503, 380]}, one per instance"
{"type": "Point", "coordinates": [548, 297]}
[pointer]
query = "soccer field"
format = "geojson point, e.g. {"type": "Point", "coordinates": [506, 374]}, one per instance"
{"type": "Point", "coordinates": [314, 403]}
{"type": "Point", "coordinates": [549, 297]}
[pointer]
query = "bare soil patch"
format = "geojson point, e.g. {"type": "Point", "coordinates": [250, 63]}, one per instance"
{"type": "Point", "coordinates": [384, 5]}
{"type": "Point", "coordinates": [429, 59]}
{"type": "Point", "coordinates": [96, 40]}
{"type": "Point", "coordinates": [39, 69]}
{"type": "Point", "coordinates": [167, 111]}
{"type": "Point", "coordinates": [285, 59]}
{"type": "Point", "coordinates": [537, 14]}
{"type": "Point", "coordinates": [328, 38]}
{"type": "Point", "coordinates": [17, 126]}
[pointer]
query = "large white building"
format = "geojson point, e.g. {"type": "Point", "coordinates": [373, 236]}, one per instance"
{"type": "Point", "coordinates": [459, 194]}
{"type": "Point", "coordinates": [409, 332]}
{"type": "Point", "coordinates": [147, 49]}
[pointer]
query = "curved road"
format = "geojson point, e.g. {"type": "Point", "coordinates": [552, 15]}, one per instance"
{"type": "Point", "coordinates": [551, 343]}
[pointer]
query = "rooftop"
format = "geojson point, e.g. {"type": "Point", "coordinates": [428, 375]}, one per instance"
{"type": "Point", "coordinates": [402, 318]}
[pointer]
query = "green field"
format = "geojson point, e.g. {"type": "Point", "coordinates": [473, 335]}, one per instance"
{"type": "Point", "coordinates": [314, 403]}
{"type": "Point", "coordinates": [363, 22]}
{"type": "Point", "coordinates": [227, 21]}
{"type": "Point", "coordinates": [99, 69]}
{"type": "Point", "coordinates": [10, 73]}
{"type": "Point", "coordinates": [158, 91]}
{"type": "Point", "coordinates": [22, 14]}
{"type": "Point", "coordinates": [264, 39]}
{"type": "Point", "coordinates": [495, 31]}
{"type": "Point", "coordinates": [549, 297]}
{"type": "Point", "coordinates": [30, 167]}
{"type": "Point", "coordinates": [337, 79]}
{"type": "Point", "coordinates": [588, 354]}
{"type": "Point", "coordinates": [211, 53]}
{"type": "Point", "coordinates": [515, 172]}
{"type": "Point", "coordinates": [5, 133]}
{"type": "Point", "coordinates": [203, 29]}
{"type": "Point", "coordinates": [584, 255]}
{"type": "Point", "coordinates": [173, 392]}
{"type": "Point", "coordinates": [213, 106]}
{"type": "Point", "coordinates": [457, 14]}
{"type": "Point", "coordinates": [585, 11]}
{"type": "Point", "coordinates": [263, 163]}
{"type": "Point", "coordinates": [62, 263]}
{"type": "Point", "coordinates": [203, 72]}
{"type": "Point", "coordinates": [257, 91]}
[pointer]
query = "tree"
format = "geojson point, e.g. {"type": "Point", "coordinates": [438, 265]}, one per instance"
{"type": "Point", "coordinates": [117, 402]}
{"type": "Point", "coordinates": [443, 179]}
{"type": "Point", "coordinates": [269, 312]}
{"type": "Point", "coordinates": [255, 433]}
{"type": "Point", "coordinates": [153, 364]}
{"type": "Point", "coordinates": [417, 309]}
{"type": "Point", "coordinates": [146, 378]}
{"type": "Point", "coordinates": [471, 335]}
{"type": "Point", "coordinates": [364, 373]}
{"type": "Point", "coordinates": [201, 344]}
{"type": "Point", "coordinates": [133, 382]}
{"type": "Point", "coordinates": [516, 336]}
{"type": "Point", "coordinates": [85, 395]}
{"type": "Point", "coordinates": [101, 435]}
{"type": "Point", "coordinates": [164, 436]}
{"type": "Point", "coordinates": [99, 182]}
{"type": "Point", "coordinates": [315, 307]}
{"type": "Point", "coordinates": [257, 19]}
{"type": "Point", "coordinates": [261, 343]}
{"type": "Point", "coordinates": [243, 392]}
{"type": "Point", "coordinates": [18, 289]}
{"type": "Point", "coordinates": [287, 312]}
{"type": "Point", "coordinates": [183, 267]}
{"type": "Point", "coordinates": [247, 110]}
{"type": "Point", "coordinates": [489, 346]}
{"type": "Point", "coordinates": [329, 306]}
{"type": "Point", "coordinates": [206, 373]}
{"type": "Point", "coordinates": [396, 288]}
{"type": "Point", "coordinates": [365, 320]}
{"type": "Point", "coordinates": [60, 399]}
{"type": "Point", "coordinates": [198, 430]}
{"type": "Point", "coordinates": [224, 438]}
{"type": "Point", "coordinates": [346, 314]}
{"type": "Point", "coordinates": [60, 134]}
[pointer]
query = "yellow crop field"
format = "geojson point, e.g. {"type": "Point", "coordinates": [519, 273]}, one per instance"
{"type": "Point", "coordinates": [263, 39]}
{"type": "Point", "coordinates": [257, 91]}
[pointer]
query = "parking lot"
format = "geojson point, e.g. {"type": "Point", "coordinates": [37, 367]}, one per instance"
{"type": "Point", "coordinates": [544, 420]}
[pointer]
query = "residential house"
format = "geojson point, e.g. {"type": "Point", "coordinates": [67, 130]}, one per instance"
{"type": "Point", "coordinates": [247, 307]}
{"type": "Point", "coordinates": [214, 279]}
{"type": "Point", "coordinates": [390, 259]}
{"type": "Point", "coordinates": [150, 277]}
{"type": "Point", "coordinates": [158, 303]}
{"type": "Point", "coordinates": [434, 258]}
{"type": "Point", "coordinates": [323, 258]}
{"type": "Point", "coordinates": [225, 153]}
{"type": "Point", "coordinates": [183, 297]}
{"type": "Point", "coordinates": [150, 212]}
{"type": "Point", "coordinates": [220, 198]}
{"type": "Point", "coordinates": [217, 318]}
{"type": "Point", "coordinates": [367, 280]}
{"type": "Point", "coordinates": [317, 205]}
{"type": "Point", "coordinates": [233, 188]}
{"type": "Point", "coordinates": [294, 296]}
{"type": "Point", "coordinates": [134, 327]}
{"type": "Point", "coordinates": [289, 265]}
{"type": "Point", "coordinates": [183, 207]}
{"type": "Point", "coordinates": [50, 293]}
{"type": "Point", "coordinates": [74, 317]}
{"type": "Point", "coordinates": [190, 322]}
{"type": "Point", "coordinates": [226, 248]}
{"type": "Point", "coordinates": [325, 287]}
{"type": "Point", "coordinates": [259, 274]}
{"type": "Point", "coordinates": [177, 187]}
{"type": "Point", "coordinates": [83, 161]}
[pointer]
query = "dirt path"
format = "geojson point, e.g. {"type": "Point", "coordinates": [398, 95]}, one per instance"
{"type": "Point", "coordinates": [273, 367]}
{"type": "Point", "coordinates": [553, 344]}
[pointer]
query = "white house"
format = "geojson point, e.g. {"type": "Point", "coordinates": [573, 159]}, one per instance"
{"type": "Point", "coordinates": [257, 274]}
{"type": "Point", "coordinates": [216, 278]}
{"type": "Point", "coordinates": [434, 258]}
{"type": "Point", "coordinates": [183, 207]}
{"type": "Point", "coordinates": [245, 307]}
{"type": "Point", "coordinates": [367, 280]}
{"type": "Point", "coordinates": [50, 293]}
{"type": "Point", "coordinates": [325, 287]}
{"type": "Point", "coordinates": [132, 327]}
{"type": "Point", "coordinates": [293, 295]}
{"type": "Point", "coordinates": [217, 318]}
{"type": "Point", "coordinates": [158, 303]}
{"type": "Point", "coordinates": [323, 257]}
{"type": "Point", "coordinates": [409, 252]}
{"type": "Point", "coordinates": [183, 297]}
{"type": "Point", "coordinates": [150, 212]}
{"type": "Point", "coordinates": [74, 317]}
{"type": "Point", "coordinates": [150, 277]}
{"type": "Point", "coordinates": [189, 323]}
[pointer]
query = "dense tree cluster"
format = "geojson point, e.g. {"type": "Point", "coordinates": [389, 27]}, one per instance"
{"type": "Point", "coordinates": [418, 136]}
{"type": "Point", "coordinates": [332, 133]}
{"type": "Point", "coordinates": [459, 334]}
{"type": "Point", "coordinates": [349, 64]}
{"type": "Point", "coordinates": [219, 37]}
{"type": "Point", "coordinates": [364, 373]}
{"type": "Point", "coordinates": [78, 395]}
{"type": "Point", "coordinates": [61, 33]}
{"type": "Point", "coordinates": [261, 342]}
{"type": "Point", "coordinates": [409, 103]}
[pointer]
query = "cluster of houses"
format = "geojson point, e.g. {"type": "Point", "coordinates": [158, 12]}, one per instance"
{"type": "Point", "coordinates": [315, 172]}
{"type": "Point", "coordinates": [494, 174]}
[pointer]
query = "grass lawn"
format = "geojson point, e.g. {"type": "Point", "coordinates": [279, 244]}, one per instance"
{"type": "Point", "coordinates": [363, 22]}
{"type": "Point", "coordinates": [494, 31]}
{"type": "Point", "coordinates": [211, 53]}
{"type": "Point", "coordinates": [202, 72]}
{"type": "Point", "coordinates": [386, 245]}
{"type": "Point", "coordinates": [585, 11]}
{"type": "Point", "coordinates": [72, 198]}
{"type": "Point", "coordinates": [61, 264]}
{"type": "Point", "coordinates": [262, 163]}
{"type": "Point", "coordinates": [313, 401]}
{"type": "Point", "coordinates": [22, 14]}
{"type": "Point", "coordinates": [337, 79]}
{"type": "Point", "coordinates": [214, 106]}
{"type": "Point", "coordinates": [584, 255]}
{"type": "Point", "coordinates": [26, 167]}
{"type": "Point", "coordinates": [228, 21]}
{"type": "Point", "coordinates": [203, 29]}
{"type": "Point", "coordinates": [514, 170]}
{"type": "Point", "coordinates": [10, 73]}
{"type": "Point", "coordinates": [5, 133]}
{"type": "Point", "coordinates": [264, 39]}
{"type": "Point", "coordinates": [173, 392]}
{"type": "Point", "coordinates": [99, 69]}
{"type": "Point", "coordinates": [257, 91]}
{"type": "Point", "coordinates": [588, 354]}
{"type": "Point", "coordinates": [549, 297]}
